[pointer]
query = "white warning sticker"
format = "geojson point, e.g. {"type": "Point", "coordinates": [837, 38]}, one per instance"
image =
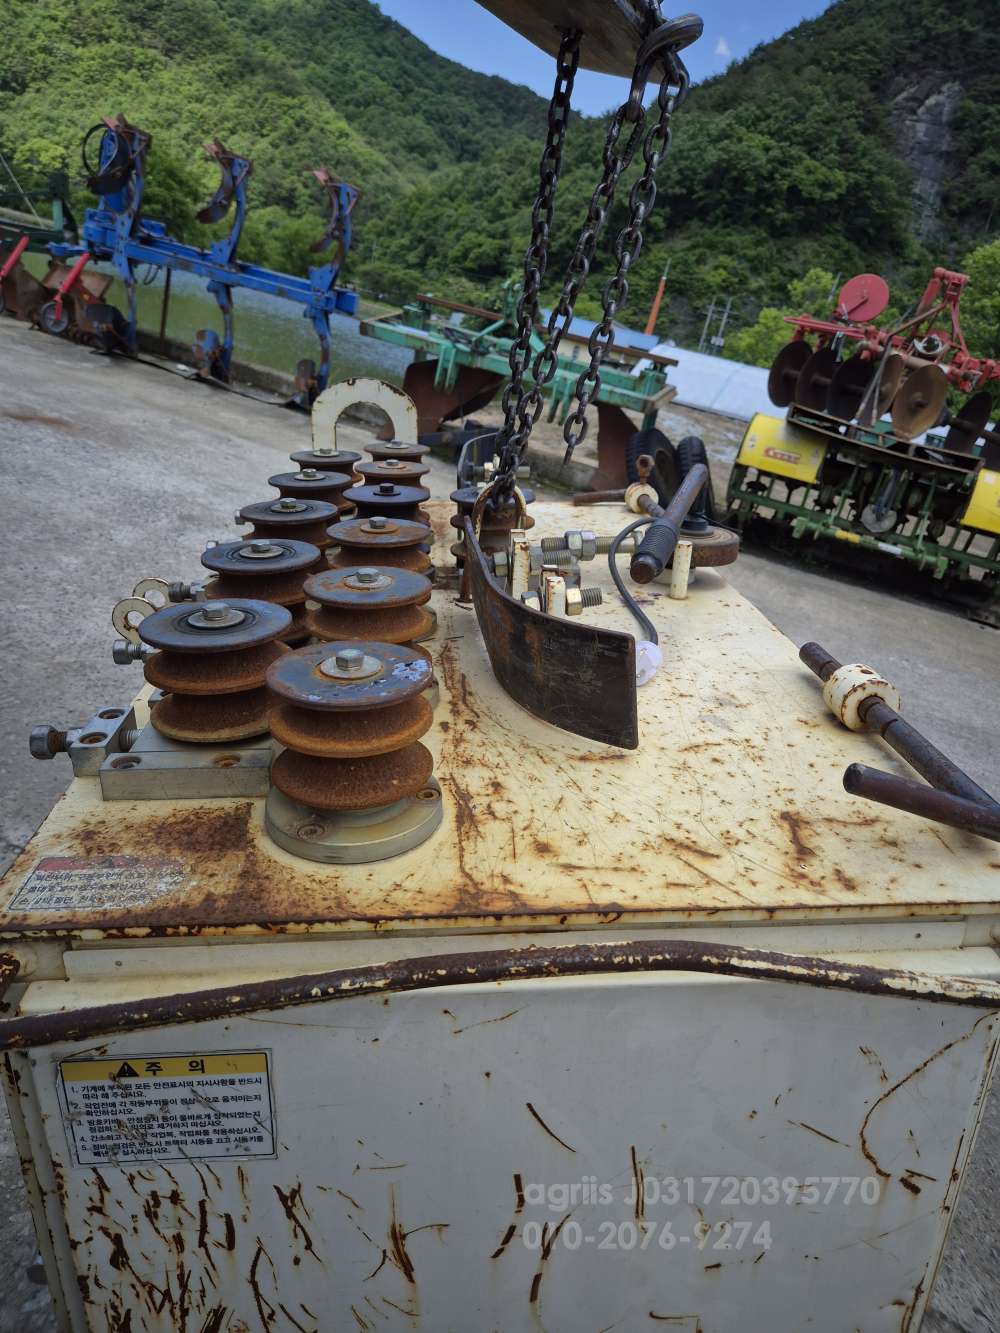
{"type": "Point", "coordinates": [96, 883]}
{"type": "Point", "coordinates": [164, 1108]}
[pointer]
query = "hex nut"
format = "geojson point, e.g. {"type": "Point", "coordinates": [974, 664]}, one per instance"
{"type": "Point", "coordinates": [45, 742]}
{"type": "Point", "coordinates": [532, 600]}
{"type": "Point", "coordinates": [574, 602]}
{"type": "Point", "coordinates": [501, 564]}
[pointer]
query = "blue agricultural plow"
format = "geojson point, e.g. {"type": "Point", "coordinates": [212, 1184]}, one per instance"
{"type": "Point", "coordinates": [119, 233]}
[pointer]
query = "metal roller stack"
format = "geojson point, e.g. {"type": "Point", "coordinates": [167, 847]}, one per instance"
{"type": "Point", "coordinates": [325, 458]}
{"type": "Point", "coordinates": [391, 500]}
{"type": "Point", "coordinates": [312, 483]}
{"type": "Point", "coordinates": [212, 663]}
{"type": "Point", "coordinates": [401, 471]}
{"type": "Point", "coordinates": [297, 520]}
{"type": "Point", "coordinates": [370, 602]}
{"type": "Point", "coordinates": [381, 450]}
{"type": "Point", "coordinates": [265, 569]}
{"type": "Point", "coordinates": [379, 540]}
{"type": "Point", "coordinates": [353, 784]}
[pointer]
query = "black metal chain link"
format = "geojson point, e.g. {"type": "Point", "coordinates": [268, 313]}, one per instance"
{"type": "Point", "coordinates": [628, 246]}
{"type": "Point", "coordinates": [536, 257]}
{"type": "Point", "coordinates": [522, 406]}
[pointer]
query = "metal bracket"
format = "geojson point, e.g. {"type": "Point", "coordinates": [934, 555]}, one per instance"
{"type": "Point", "coordinates": [159, 769]}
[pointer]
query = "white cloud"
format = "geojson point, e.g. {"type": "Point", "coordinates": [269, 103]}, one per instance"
{"type": "Point", "coordinates": [722, 48]}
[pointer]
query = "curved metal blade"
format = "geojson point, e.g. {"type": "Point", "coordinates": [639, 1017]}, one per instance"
{"type": "Point", "coordinates": [334, 229]}
{"type": "Point", "coordinates": [234, 170]}
{"type": "Point", "coordinates": [474, 388]}
{"type": "Point", "coordinates": [576, 676]}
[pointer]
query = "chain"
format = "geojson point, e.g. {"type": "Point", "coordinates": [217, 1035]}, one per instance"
{"type": "Point", "coordinates": [513, 436]}
{"type": "Point", "coordinates": [628, 247]}
{"type": "Point", "coordinates": [522, 406]}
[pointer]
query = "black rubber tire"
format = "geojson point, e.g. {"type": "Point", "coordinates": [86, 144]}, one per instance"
{"type": "Point", "coordinates": [692, 450]}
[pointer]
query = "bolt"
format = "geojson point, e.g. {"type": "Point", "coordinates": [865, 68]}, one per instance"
{"type": "Point", "coordinates": [216, 615]}
{"type": "Point", "coordinates": [185, 592]}
{"type": "Point", "coordinates": [367, 576]}
{"type": "Point", "coordinates": [557, 559]}
{"type": "Point", "coordinates": [626, 544]}
{"type": "Point", "coordinates": [261, 546]}
{"type": "Point", "coordinates": [579, 598]}
{"type": "Point", "coordinates": [324, 449]}
{"type": "Point", "coordinates": [392, 462]}
{"type": "Point", "coordinates": [123, 652]}
{"type": "Point", "coordinates": [309, 474]}
{"type": "Point", "coordinates": [386, 488]}
{"type": "Point", "coordinates": [349, 659]}
{"type": "Point", "coordinates": [378, 523]}
{"type": "Point", "coordinates": [46, 742]}
{"type": "Point", "coordinates": [531, 599]}
{"type": "Point", "coordinates": [128, 737]}
{"type": "Point", "coordinates": [287, 503]}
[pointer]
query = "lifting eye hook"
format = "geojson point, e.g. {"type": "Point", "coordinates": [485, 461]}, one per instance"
{"type": "Point", "coordinates": [663, 44]}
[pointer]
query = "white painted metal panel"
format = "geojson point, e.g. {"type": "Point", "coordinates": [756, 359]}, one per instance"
{"type": "Point", "coordinates": [410, 1128]}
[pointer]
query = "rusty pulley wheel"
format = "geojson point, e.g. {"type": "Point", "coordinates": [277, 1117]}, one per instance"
{"type": "Point", "coordinates": [407, 453]}
{"type": "Point", "coordinates": [312, 483]}
{"type": "Point", "coordinates": [269, 569]}
{"type": "Point", "coordinates": [380, 540]}
{"type": "Point", "coordinates": [213, 660]}
{"type": "Point", "coordinates": [293, 517]}
{"type": "Point", "coordinates": [402, 471]}
{"type": "Point", "coordinates": [713, 548]}
{"type": "Point", "coordinates": [388, 498]}
{"type": "Point", "coordinates": [370, 602]}
{"type": "Point", "coordinates": [327, 460]}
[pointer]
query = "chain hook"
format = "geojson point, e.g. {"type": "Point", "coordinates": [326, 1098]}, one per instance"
{"type": "Point", "coordinates": [663, 44]}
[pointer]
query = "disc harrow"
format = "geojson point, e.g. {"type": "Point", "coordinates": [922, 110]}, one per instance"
{"type": "Point", "coordinates": [863, 462]}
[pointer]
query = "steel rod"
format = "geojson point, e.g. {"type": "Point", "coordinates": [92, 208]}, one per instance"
{"type": "Point", "coordinates": [490, 967]}
{"type": "Point", "coordinates": [899, 735]}
{"type": "Point", "coordinates": [916, 798]}
{"type": "Point", "coordinates": [663, 533]}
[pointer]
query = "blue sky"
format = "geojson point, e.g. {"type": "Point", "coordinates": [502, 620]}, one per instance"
{"type": "Point", "coordinates": [464, 31]}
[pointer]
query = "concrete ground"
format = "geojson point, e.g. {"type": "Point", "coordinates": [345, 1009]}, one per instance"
{"type": "Point", "coordinates": [113, 471]}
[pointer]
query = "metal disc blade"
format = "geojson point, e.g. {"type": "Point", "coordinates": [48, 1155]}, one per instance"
{"type": "Point", "coordinates": [969, 424]}
{"type": "Point", "coordinates": [919, 402]}
{"type": "Point", "coordinates": [815, 378]}
{"type": "Point", "coordinates": [893, 370]}
{"type": "Point", "coordinates": [785, 372]}
{"type": "Point", "coordinates": [847, 388]}
{"type": "Point", "coordinates": [863, 298]}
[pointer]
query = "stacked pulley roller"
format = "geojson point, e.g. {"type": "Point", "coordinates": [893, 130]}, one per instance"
{"type": "Point", "coordinates": [354, 783]}
{"type": "Point", "coordinates": [267, 569]}
{"type": "Point", "coordinates": [211, 663]}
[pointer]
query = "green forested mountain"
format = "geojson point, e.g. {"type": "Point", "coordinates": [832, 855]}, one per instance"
{"type": "Point", "coordinates": [867, 138]}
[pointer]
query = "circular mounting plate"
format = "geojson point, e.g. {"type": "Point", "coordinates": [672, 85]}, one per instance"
{"type": "Point", "coordinates": [305, 511]}
{"type": "Point", "coordinates": [353, 837]}
{"type": "Point", "coordinates": [297, 677]}
{"type": "Point", "coordinates": [334, 587]}
{"type": "Point", "coordinates": [238, 557]}
{"type": "Point", "coordinates": [863, 298]}
{"type": "Point", "coordinates": [172, 630]}
{"type": "Point", "coordinates": [400, 532]}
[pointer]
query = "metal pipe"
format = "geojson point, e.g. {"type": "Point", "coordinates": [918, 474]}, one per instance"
{"type": "Point", "coordinates": [662, 535]}
{"type": "Point", "coordinates": [916, 798]}
{"type": "Point", "coordinates": [489, 967]}
{"type": "Point", "coordinates": [597, 497]}
{"type": "Point", "coordinates": [897, 733]}
{"type": "Point", "coordinates": [164, 308]}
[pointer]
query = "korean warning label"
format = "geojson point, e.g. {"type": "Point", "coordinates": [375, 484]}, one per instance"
{"type": "Point", "coordinates": [96, 883]}
{"type": "Point", "coordinates": [162, 1108]}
